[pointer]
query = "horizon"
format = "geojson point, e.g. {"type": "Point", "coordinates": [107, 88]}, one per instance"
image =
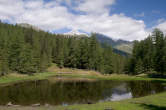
{"type": "Point", "coordinates": [127, 20]}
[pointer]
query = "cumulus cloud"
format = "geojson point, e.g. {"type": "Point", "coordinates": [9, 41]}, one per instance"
{"type": "Point", "coordinates": [162, 26]}
{"type": "Point", "coordinates": [9, 9]}
{"type": "Point", "coordinates": [95, 6]}
{"type": "Point", "coordinates": [116, 26]}
{"type": "Point", "coordinates": [91, 16]}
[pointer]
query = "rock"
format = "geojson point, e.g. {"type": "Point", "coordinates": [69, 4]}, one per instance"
{"type": "Point", "coordinates": [108, 109]}
{"type": "Point", "coordinates": [46, 105]}
{"type": "Point", "coordinates": [9, 104]}
{"type": "Point", "coordinates": [16, 105]}
{"type": "Point", "coordinates": [36, 105]}
{"type": "Point", "coordinates": [89, 102]}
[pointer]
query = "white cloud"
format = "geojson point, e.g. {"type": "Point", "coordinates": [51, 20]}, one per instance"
{"type": "Point", "coordinates": [116, 26]}
{"type": "Point", "coordinates": [9, 9]}
{"type": "Point", "coordinates": [95, 6]}
{"type": "Point", "coordinates": [52, 15]}
{"type": "Point", "coordinates": [33, 4]}
{"type": "Point", "coordinates": [162, 26]}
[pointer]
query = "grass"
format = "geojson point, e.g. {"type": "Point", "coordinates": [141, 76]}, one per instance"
{"type": "Point", "coordinates": [14, 78]}
{"type": "Point", "coordinates": [153, 102]}
{"type": "Point", "coordinates": [52, 71]}
{"type": "Point", "coordinates": [71, 73]}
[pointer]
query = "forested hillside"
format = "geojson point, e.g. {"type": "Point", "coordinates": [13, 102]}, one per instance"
{"type": "Point", "coordinates": [149, 55]}
{"type": "Point", "coordinates": [25, 50]}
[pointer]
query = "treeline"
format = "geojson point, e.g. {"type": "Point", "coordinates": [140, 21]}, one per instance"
{"type": "Point", "coordinates": [25, 50]}
{"type": "Point", "coordinates": [149, 55]}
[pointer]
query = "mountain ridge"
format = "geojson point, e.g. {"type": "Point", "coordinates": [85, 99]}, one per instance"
{"type": "Point", "coordinates": [119, 44]}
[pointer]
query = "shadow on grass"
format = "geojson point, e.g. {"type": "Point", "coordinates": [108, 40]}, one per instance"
{"type": "Point", "coordinates": [157, 75]}
{"type": "Point", "coordinates": [153, 107]}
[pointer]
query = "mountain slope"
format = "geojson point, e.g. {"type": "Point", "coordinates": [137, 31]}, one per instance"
{"type": "Point", "coordinates": [125, 47]}
{"type": "Point", "coordinates": [120, 46]}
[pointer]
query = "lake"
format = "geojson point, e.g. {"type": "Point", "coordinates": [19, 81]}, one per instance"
{"type": "Point", "coordinates": [75, 92]}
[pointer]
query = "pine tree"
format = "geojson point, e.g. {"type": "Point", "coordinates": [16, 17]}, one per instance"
{"type": "Point", "coordinates": [94, 53]}
{"type": "Point", "coordinates": [25, 50]}
{"type": "Point", "coordinates": [43, 62]}
{"type": "Point", "coordinates": [82, 54]}
{"type": "Point", "coordinates": [71, 60]}
{"type": "Point", "coordinates": [148, 61]}
{"type": "Point", "coordinates": [107, 60]}
{"type": "Point", "coordinates": [25, 63]}
{"type": "Point", "coordinates": [159, 50]}
{"type": "Point", "coordinates": [36, 55]}
{"type": "Point", "coordinates": [4, 66]}
{"type": "Point", "coordinates": [139, 67]}
{"type": "Point", "coordinates": [151, 54]}
{"type": "Point", "coordinates": [15, 49]}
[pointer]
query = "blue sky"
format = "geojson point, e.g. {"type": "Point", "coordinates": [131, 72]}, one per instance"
{"type": "Point", "coordinates": [119, 19]}
{"type": "Point", "coordinates": [153, 10]}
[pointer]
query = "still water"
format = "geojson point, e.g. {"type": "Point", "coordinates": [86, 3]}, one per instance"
{"type": "Point", "coordinates": [76, 92]}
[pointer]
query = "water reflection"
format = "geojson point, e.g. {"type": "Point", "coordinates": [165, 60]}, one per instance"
{"type": "Point", "coordinates": [75, 92]}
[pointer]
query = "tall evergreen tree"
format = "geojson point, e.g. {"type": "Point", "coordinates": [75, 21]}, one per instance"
{"type": "Point", "coordinates": [149, 55]}
{"type": "Point", "coordinates": [26, 50]}
{"type": "Point", "coordinates": [25, 63]}
{"type": "Point", "coordinates": [159, 50]}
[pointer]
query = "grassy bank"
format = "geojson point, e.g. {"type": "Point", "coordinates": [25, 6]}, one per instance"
{"type": "Point", "coordinates": [70, 73]}
{"type": "Point", "coordinates": [153, 102]}
{"type": "Point", "coordinates": [14, 78]}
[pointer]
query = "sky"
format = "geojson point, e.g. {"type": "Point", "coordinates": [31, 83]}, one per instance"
{"type": "Point", "coordinates": [119, 19]}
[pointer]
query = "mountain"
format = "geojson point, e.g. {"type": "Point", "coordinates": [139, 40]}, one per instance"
{"type": "Point", "coordinates": [120, 52]}
{"type": "Point", "coordinates": [120, 46]}
{"type": "Point", "coordinates": [26, 25]}
{"type": "Point", "coordinates": [76, 33]}
{"type": "Point", "coordinates": [125, 47]}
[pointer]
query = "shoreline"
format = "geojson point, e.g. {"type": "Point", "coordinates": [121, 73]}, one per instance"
{"type": "Point", "coordinates": [16, 78]}
{"type": "Point", "coordinates": [157, 100]}
{"type": "Point", "coordinates": [143, 103]}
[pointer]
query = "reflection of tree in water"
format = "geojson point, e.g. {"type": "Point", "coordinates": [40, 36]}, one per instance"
{"type": "Point", "coordinates": [79, 92]}
{"type": "Point", "coordinates": [52, 93]}
{"type": "Point", "coordinates": [71, 92]}
{"type": "Point", "coordinates": [143, 88]}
